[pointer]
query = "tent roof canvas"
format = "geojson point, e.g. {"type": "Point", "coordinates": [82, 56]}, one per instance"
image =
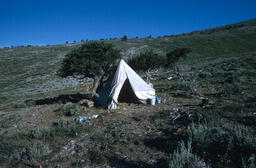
{"type": "Point", "coordinates": [125, 78]}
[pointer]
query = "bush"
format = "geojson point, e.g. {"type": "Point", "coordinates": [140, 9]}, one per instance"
{"type": "Point", "coordinates": [124, 38]}
{"type": "Point", "coordinates": [230, 89]}
{"type": "Point", "coordinates": [242, 144]}
{"type": "Point", "coordinates": [21, 105]}
{"type": "Point", "coordinates": [30, 102]}
{"type": "Point", "coordinates": [205, 74]}
{"type": "Point", "coordinates": [184, 86]}
{"type": "Point", "coordinates": [74, 109]}
{"type": "Point", "coordinates": [34, 150]}
{"type": "Point", "coordinates": [39, 134]}
{"type": "Point", "coordinates": [250, 163]}
{"type": "Point", "coordinates": [187, 87]}
{"type": "Point", "coordinates": [223, 148]}
{"type": "Point", "coordinates": [62, 123]}
{"type": "Point", "coordinates": [96, 156]}
{"type": "Point", "coordinates": [38, 149]}
{"type": "Point", "coordinates": [147, 60]}
{"type": "Point", "coordinates": [174, 56]}
{"type": "Point", "coordinates": [183, 157]}
{"type": "Point", "coordinates": [65, 128]}
{"type": "Point", "coordinates": [162, 87]}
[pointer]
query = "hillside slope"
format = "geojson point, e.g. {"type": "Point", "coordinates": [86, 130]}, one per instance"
{"type": "Point", "coordinates": [30, 71]}
{"type": "Point", "coordinates": [209, 108]}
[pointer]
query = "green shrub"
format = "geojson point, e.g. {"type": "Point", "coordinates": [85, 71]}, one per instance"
{"type": "Point", "coordinates": [96, 156]}
{"type": "Point", "coordinates": [62, 123]}
{"type": "Point", "coordinates": [231, 88]}
{"type": "Point", "coordinates": [250, 163]}
{"type": "Point", "coordinates": [222, 148]}
{"type": "Point", "coordinates": [209, 140]}
{"type": "Point", "coordinates": [183, 157]}
{"type": "Point", "coordinates": [34, 150]}
{"type": "Point", "coordinates": [147, 60]}
{"type": "Point", "coordinates": [187, 87]}
{"type": "Point", "coordinates": [30, 102]}
{"type": "Point", "coordinates": [60, 109]}
{"type": "Point", "coordinates": [163, 87]}
{"type": "Point", "coordinates": [174, 56]}
{"type": "Point", "coordinates": [73, 110]}
{"type": "Point", "coordinates": [21, 105]}
{"type": "Point", "coordinates": [205, 74]}
{"type": "Point", "coordinates": [39, 134]}
{"type": "Point", "coordinates": [184, 86]}
{"type": "Point", "coordinates": [38, 149]}
{"type": "Point", "coordinates": [65, 128]}
{"type": "Point", "coordinates": [234, 108]}
{"type": "Point", "coordinates": [241, 145]}
{"type": "Point", "coordinates": [124, 38]}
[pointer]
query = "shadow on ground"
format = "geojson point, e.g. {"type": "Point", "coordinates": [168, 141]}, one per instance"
{"type": "Point", "coordinates": [62, 99]}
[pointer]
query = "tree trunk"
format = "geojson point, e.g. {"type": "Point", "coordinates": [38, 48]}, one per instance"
{"type": "Point", "coordinates": [96, 81]}
{"type": "Point", "coordinates": [175, 69]}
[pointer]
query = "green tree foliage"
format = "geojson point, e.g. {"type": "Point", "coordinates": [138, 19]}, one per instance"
{"type": "Point", "coordinates": [149, 36]}
{"type": "Point", "coordinates": [147, 60]}
{"type": "Point", "coordinates": [174, 56]}
{"type": "Point", "coordinates": [92, 60]}
{"type": "Point", "coordinates": [124, 38]}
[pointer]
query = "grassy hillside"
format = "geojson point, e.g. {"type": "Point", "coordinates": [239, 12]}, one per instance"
{"type": "Point", "coordinates": [31, 70]}
{"type": "Point", "coordinates": [216, 104]}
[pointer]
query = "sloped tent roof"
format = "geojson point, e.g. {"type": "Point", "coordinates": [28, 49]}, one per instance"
{"type": "Point", "coordinates": [125, 78]}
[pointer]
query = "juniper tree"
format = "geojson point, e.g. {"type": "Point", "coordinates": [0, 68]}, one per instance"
{"type": "Point", "coordinates": [91, 60]}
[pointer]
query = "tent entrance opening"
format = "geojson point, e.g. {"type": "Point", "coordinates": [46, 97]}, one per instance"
{"type": "Point", "coordinates": [126, 94]}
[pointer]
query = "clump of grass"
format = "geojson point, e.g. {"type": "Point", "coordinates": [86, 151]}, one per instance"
{"type": "Point", "coordinates": [183, 157]}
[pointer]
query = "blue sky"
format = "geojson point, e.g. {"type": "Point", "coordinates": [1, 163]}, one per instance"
{"type": "Point", "coordinates": [42, 22]}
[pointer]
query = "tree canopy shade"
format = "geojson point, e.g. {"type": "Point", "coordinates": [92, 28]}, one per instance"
{"type": "Point", "coordinates": [92, 60]}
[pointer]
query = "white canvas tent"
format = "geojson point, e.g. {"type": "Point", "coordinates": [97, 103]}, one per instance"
{"type": "Point", "coordinates": [125, 86]}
